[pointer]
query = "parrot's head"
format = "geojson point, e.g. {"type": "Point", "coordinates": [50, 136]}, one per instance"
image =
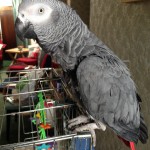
{"type": "Point", "coordinates": [43, 20]}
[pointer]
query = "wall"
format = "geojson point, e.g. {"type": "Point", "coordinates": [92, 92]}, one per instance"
{"type": "Point", "coordinates": [125, 28]}
{"type": "Point", "coordinates": [82, 7]}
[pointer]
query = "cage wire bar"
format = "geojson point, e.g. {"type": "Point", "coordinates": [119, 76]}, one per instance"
{"type": "Point", "coordinates": [35, 107]}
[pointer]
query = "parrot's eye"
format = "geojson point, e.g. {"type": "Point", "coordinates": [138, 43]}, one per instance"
{"type": "Point", "coordinates": [22, 15]}
{"type": "Point", "coordinates": [41, 10]}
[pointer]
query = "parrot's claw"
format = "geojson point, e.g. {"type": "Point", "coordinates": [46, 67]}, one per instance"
{"type": "Point", "coordinates": [77, 121]}
{"type": "Point", "coordinates": [82, 123]}
{"type": "Point", "coordinates": [91, 128]}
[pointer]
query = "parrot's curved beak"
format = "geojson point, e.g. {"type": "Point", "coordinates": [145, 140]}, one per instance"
{"type": "Point", "coordinates": [19, 28]}
{"type": "Point", "coordinates": [24, 30]}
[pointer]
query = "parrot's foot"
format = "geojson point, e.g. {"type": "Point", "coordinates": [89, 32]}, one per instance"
{"type": "Point", "coordinates": [77, 125]}
{"type": "Point", "coordinates": [77, 121]}
{"type": "Point", "coordinates": [91, 128]}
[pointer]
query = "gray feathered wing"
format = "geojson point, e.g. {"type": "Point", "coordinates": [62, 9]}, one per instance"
{"type": "Point", "coordinates": [108, 94]}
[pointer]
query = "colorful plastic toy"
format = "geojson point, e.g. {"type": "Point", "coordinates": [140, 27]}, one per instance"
{"type": "Point", "coordinates": [42, 126]}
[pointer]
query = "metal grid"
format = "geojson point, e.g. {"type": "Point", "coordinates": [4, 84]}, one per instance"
{"type": "Point", "coordinates": [26, 97]}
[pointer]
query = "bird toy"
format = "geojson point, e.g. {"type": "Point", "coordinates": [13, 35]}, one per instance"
{"type": "Point", "coordinates": [42, 126]}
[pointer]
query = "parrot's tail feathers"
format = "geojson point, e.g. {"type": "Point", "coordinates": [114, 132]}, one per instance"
{"type": "Point", "coordinates": [142, 136]}
{"type": "Point", "coordinates": [143, 131]}
{"type": "Point", "coordinates": [132, 145]}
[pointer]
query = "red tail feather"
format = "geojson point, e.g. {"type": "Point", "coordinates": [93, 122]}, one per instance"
{"type": "Point", "coordinates": [132, 146]}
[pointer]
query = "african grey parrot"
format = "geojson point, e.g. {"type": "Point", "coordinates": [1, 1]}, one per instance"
{"type": "Point", "coordinates": [101, 80]}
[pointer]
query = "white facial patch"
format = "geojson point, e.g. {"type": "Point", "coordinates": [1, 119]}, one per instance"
{"type": "Point", "coordinates": [39, 13]}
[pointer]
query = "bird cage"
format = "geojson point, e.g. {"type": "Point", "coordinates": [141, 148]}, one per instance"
{"type": "Point", "coordinates": [35, 107]}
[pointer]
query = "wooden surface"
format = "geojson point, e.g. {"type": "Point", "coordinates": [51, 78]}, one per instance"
{"type": "Point", "coordinates": [16, 50]}
{"type": "Point", "coordinates": [8, 28]}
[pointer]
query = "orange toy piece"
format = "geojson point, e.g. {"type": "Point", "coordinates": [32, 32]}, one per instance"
{"type": "Point", "coordinates": [47, 126]}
